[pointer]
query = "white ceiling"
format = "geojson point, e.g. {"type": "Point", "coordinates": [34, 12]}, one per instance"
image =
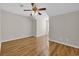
{"type": "Point", "coordinates": [52, 8]}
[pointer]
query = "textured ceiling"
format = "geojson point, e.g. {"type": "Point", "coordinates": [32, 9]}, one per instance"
{"type": "Point", "coordinates": [52, 8]}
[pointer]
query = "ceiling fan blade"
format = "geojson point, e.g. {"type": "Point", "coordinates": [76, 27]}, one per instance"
{"type": "Point", "coordinates": [42, 9]}
{"type": "Point", "coordinates": [31, 14]}
{"type": "Point", "coordinates": [39, 13]}
{"type": "Point", "coordinates": [27, 10]}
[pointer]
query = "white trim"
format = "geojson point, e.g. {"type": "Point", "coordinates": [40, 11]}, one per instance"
{"type": "Point", "coordinates": [15, 38]}
{"type": "Point", "coordinates": [64, 43]}
{"type": "Point", "coordinates": [40, 35]}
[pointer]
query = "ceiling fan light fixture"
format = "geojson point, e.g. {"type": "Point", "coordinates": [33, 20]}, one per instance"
{"type": "Point", "coordinates": [35, 10]}
{"type": "Point", "coordinates": [34, 13]}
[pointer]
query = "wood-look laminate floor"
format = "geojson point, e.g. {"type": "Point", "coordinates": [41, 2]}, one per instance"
{"type": "Point", "coordinates": [24, 47]}
{"type": "Point", "coordinates": [57, 49]}
{"type": "Point", "coordinates": [33, 46]}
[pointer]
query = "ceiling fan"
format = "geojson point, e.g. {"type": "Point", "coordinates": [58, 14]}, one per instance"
{"type": "Point", "coordinates": [36, 9]}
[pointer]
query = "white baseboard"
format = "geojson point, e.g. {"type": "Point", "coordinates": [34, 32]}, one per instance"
{"type": "Point", "coordinates": [64, 43]}
{"type": "Point", "coordinates": [40, 35]}
{"type": "Point", "coordinates": [15, 38]}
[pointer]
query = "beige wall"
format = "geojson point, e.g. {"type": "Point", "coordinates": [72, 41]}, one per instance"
{"type": "Point", "coordinates": [0, 24]}
{"type": "Point", "coordinates": [0, 30]}
{"type": "Point", "coordinates": [65, 28]}
{"type": "Point", "coordinates": [15, 26]}
{"type": "Point", "coordinates": [41, 24]}
{"type": "Point", "coordinates": [40, 27]}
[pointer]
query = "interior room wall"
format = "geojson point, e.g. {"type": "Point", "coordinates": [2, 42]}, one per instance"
{"type": "Point", "coordinates": [0, 30]}
{"type": "Point", "coordinates": [65, 28]}
{"type": "Point", "coordinates": [41, 25]}
{"type": "Point", "coordinates": [0, 24]}
{"type": "Point", "coordinates": [34, 31]}
{"type": "Point", "coordinates": [15, 26]}
{"type": "Point", "coordinates": [47, 26]}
